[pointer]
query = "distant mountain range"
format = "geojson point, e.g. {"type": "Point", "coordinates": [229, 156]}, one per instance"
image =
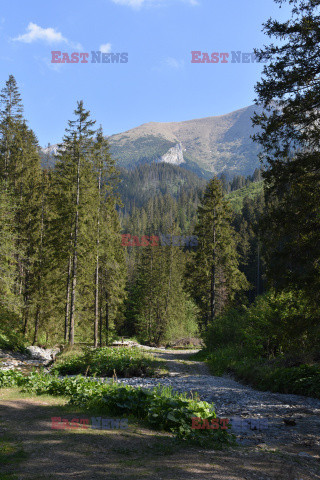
{"type": "Point", "coordinates": [206, 146]}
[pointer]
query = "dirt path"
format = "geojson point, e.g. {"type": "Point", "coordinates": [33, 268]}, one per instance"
{"type": "Point", "coordinates": [179, 363]}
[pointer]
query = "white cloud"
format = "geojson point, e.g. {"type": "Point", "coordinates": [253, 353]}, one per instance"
{"type": "Point", "coordinates": [130, 3]}
{"type": "Point", "coordinates": [168, 63]}
{"type": "Point", "coordinates": [140, 3]}
{"type": "Point", "coordinates": [56, 67]}
{"type": "Point", "coordinates": [105, 48]}
{"type": "Point", "coordinates": [174, 63]}
{"type": "Point", "coordinates": [47, 35]}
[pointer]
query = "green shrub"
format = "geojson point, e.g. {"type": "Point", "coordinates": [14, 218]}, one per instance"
{"type": "Point", "coordinates": [300, 380]}
{"type": "Point", "coordinates": [159, 408]}
{"type": "Point", "coordinates": [11, 378]}
{"type": "Point", "coordinates": [259, 342]}
{"type": "Point", "coordinates": [275, 324]}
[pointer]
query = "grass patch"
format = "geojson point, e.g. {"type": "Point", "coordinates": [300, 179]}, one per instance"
{"type": "Point", "coordinates": [10, 451]}
{"type": "Point", "coordinates": [200, 356]}
{"type": "Point", "coordinates": [125, 362]}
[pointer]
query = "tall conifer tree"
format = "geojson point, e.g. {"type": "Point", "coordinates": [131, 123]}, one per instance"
{"type": "Point", "coordinates": [213, 271]}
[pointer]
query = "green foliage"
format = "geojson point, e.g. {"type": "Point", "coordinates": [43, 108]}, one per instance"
{"type": "Point", "coordinates": [268, 344]}
{"type": "Point", "coordinates": [9, 300]}
{"type": "Point", "coordinates": [125, 362]}
{"type": "Point", "coordinates": [275, 324]}
{"type": "Point", "coordinates": [158, 308]}
{"type": "Point", "coordinates": [11, 340]}
{"type": "Point", "coordinates": [11, 378]}
{"type": "Point", "coordinates": [289, 136]}
{"type": "Point", "coordinates": [89, 268]}
{"type": "Point", "coordinates": [236, 198]}
{"type": "Point", "coordinates": [162, 307]}
{"type": "Point", "coordinates": [304, 380]}
{"type": "Point", "coordinates": [300, 380]}
{"type": "Point", "coordinates": [137, 187]}
{"type": "Point", "coordinates": [159, 408]}
{"type": "Point", "coordinates": [20, 210]}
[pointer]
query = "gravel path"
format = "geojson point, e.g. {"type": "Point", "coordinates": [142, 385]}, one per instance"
{"type": "Point", "coordinates": [260, 418]}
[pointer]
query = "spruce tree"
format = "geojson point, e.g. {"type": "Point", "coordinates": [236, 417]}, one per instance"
{"type": "Point", "coordinates": [290, 139]}
{"type": "Point", "coordinates": [74, 155]}
{"type": "Point", "coordinates": [20, 170]}
{"type": "Point", "coordinates": [9, 300]}
{"type": "Point", "coordinates": [10, 119]}
{"type": "Point", "coordinates": [213, 272]}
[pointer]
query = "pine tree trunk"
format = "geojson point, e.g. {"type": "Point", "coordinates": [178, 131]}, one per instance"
{"type": "Point", "coordinates": [213, 275]}
{"type": "Point", "coordinates": [258, 267]}
{"type": "Point", "coordinates": [169, 283]}
{"type": "Point", "coordinates": [25, 317]}
{"type": "Point", "coordinates": [6, 163]}
{"type": "Point", "coordinates": [107, 318]}
{"type": "Point", "coordinates": [100, 325]}
{"type": "Point", "coordinates": [36, 325]}
{"type": "Point", "coordinates": [26, 304]}
{"type": "Point", "coordinates": [96, 302]}
{"type": "Point", "coordinates": [67, 309]}
{"type": "Point", "coordinates": [75, 258]}
{"type": "Point", "coordinates": [73, 287]}
{"type": "Point", "coordinates": [96, 317]}
{"type": "Point", "coordinates": [38, 311]}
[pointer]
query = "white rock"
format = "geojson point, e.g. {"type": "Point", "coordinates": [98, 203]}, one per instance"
{"type": "Point", "coordinates": [174, 155]}
{"type": "Point", "coordinates": [39, 353]}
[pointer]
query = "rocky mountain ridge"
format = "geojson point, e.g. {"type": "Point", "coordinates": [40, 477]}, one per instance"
{"type": "Point", "coordinates": [208, 146]}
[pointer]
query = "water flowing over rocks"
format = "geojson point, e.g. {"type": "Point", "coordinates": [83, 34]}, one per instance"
{"type": "Point", "coordinates": [45, 354]}
{"type": "Point", "coordinates": [34, 357]}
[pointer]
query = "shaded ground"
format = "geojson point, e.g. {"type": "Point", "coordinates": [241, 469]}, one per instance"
{"type": "Point", "coordinates": [137, 453]}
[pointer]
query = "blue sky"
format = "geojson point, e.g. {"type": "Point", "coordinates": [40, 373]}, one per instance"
{"type": "Point", "coordinates": [159, 82]}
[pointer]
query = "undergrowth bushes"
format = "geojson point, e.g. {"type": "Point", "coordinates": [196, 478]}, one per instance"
{"type": "Point", "coordinates": [159, 408]}
{"type": "Point", "coordinates": [272, 345]}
